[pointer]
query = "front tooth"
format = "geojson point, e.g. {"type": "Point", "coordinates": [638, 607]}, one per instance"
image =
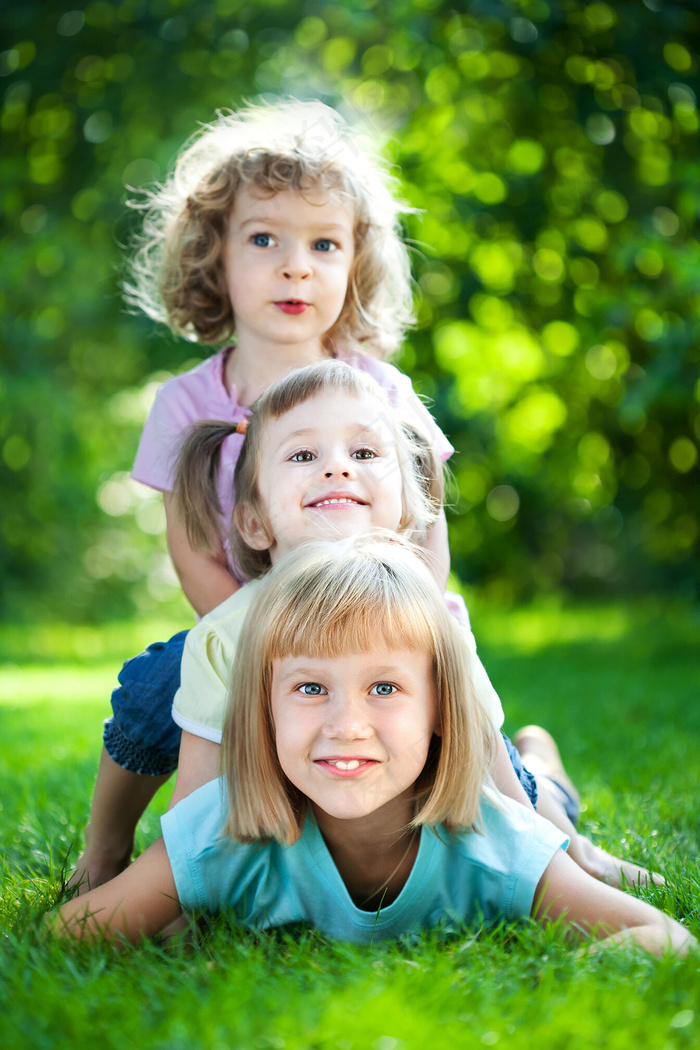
{"type": "Point", "coordinates": [352, 764]}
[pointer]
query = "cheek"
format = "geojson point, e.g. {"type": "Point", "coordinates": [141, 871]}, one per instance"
{"type": "Point", "coordinates": [390, 486]}
{"type": "Point", "coordinates": [292, 738]}
{"type": "Point", "coordinates": [338, 278]}
{"type": "Point", "coordinates": [285, 754]}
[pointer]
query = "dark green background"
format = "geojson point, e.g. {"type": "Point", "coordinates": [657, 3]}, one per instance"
{"type": "Point", "coordinates": [553, 148]}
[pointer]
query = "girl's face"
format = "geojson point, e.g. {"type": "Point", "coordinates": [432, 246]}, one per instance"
{"type": "Point", "coordinates": [288, 261]}
{"type": "Point", "coordinates": [353, 731]}
{"type": "Point", "coordinates": [328, 470]}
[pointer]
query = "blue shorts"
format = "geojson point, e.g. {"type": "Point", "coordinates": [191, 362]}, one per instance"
{"type": "Point", "coordinates": [563, 796]}
{"type": "Point", "coordinates": [524, 775]}
{"type": "Point", "coordinates": [141, 735]}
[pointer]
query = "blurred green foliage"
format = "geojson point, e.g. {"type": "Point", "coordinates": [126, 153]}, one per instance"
{"type": "Point", "coordinates": [553, 150]}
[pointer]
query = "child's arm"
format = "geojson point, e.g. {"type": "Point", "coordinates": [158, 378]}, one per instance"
{"type": "Point", "coordinates": [197, 765]}
{"type": "Point", "coordinates": [436, 543]}
{"type": "Point", "coordinates": [609, 915]}
{"type": "Point", "coordinates": [134, 906]}
{"type": "Point", "coordinates": [205, 579]}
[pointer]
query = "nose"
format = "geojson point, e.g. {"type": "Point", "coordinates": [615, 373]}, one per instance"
{"type": "Point", "coordinates": [347, 721]}
{"type": "Point", "coordinates": [296, 265]}
{"type": "Point", "coordinates": [337, 464]}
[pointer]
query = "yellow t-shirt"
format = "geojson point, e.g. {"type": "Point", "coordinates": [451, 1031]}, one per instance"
{"type": "Point", "coordinates": [208, 665]}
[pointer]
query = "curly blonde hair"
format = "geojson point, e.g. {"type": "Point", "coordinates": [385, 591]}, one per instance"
{"type": "Point", "coordinates": [178, 272]}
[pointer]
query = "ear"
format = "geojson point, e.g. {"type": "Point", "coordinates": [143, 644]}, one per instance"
{"type": "Point", "coordinates": [252, 529]}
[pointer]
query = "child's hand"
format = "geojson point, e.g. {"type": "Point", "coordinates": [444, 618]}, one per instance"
{"type": "Point", "coordinates": [136, 905]}
{"type": "Point", "coordinates": [612, 917]}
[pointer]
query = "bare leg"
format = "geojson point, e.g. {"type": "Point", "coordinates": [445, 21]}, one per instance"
{"type": "Point", "coordinates": [119, 799]}
{"type": "Point", "coordinates": [541, 756]}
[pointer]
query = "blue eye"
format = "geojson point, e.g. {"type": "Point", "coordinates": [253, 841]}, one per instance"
{"type": "Point", "coordinates": [383, 689]}
{"type": "Point", "coordinates": [324, 245]}
{"type": "Point", "coordinates": [312, 689]}
{"type": "Point", "coordinates": [261, 240]}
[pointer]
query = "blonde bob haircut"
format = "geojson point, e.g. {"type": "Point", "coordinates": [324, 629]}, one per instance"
{"type": "Point", "coordinates": [196, 482]}
{"type": "Point", "coordinates": [349, 597]}
{"type": "Point", "coordinates": [178, 274]}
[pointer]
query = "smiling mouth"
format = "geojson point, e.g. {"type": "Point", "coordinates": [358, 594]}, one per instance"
{"type": "Point", "coordinates": [346, 766]}
{"type": "Point", "coordinates": [335, 501]}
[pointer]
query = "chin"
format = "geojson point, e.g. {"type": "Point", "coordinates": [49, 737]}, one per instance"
{"type": "Point", "coordinates": [345, 812]}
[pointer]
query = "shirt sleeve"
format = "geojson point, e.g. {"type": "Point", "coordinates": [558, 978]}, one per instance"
{"type": "Point", "coordinates": [205, 677]}
{"type": "Point", "coordinates": [494, 873]}
{"type": "Point", "coordinates": [532, 842]}
{"type": "Point", "coordinates": [161, 438]}
{"type": "Point", "coordinates": [191, 827]}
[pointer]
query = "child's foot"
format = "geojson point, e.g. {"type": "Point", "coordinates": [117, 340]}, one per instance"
{"type": "Point", "coordinates": [540, 755]}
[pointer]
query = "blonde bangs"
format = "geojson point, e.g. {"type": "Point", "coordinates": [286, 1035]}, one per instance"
{"type": "Point", "coordinates": [355, 619]}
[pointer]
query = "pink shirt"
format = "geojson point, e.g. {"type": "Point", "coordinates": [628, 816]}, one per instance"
{"type": "Point", "coordinates": [201, 394]}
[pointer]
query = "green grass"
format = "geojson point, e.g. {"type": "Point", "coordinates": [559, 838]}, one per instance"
{"type": "Point", "coordinates": [619, 688]}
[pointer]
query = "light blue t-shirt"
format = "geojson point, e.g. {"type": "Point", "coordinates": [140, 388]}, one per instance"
{"type": "Point", "coordinates": [455, 880]}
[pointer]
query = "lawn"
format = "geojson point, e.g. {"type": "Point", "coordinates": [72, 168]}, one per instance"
{"type": "Point", "coordinates": [617, 685]}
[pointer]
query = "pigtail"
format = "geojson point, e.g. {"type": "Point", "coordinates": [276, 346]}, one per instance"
{"type": "Point", "coordinates": [427, 465]}
{"type": "Point", "coordinates": [196, 476]}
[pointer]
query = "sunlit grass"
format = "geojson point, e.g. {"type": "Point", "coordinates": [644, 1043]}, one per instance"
{"type": "Point", "coordinates": [618, 685]}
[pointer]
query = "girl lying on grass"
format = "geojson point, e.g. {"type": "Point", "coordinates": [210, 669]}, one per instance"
{"type": "Point", "coordinates": [357, 794]}
{"type": "Point", "coordinates": [325, 457]}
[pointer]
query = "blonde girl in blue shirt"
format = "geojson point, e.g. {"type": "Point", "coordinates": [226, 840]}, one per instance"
{"type": "Point", "coordinates": [357, 793]}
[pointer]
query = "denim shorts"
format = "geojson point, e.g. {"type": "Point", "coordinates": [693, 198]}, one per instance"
{"type": "Point", "coordinates": [141, 735]}
{"type": "Point", "coordinates": [563, 796]}
{"type": "Point", "coordinates": [524, 775]}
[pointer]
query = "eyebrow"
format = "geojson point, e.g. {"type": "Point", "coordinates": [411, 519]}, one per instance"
{"type": "Point", "coordinates": [310, 673]}
{"type": "Point", "coordinates": [297, 674]}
